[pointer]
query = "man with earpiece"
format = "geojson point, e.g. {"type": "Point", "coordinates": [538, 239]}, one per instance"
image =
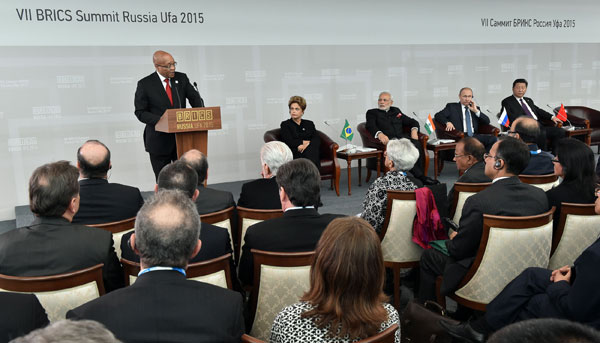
{"type": "Point", "coordinates": [507, 196]}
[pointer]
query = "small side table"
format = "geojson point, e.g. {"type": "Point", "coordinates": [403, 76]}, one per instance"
{"type": "Point", "coordinates": [359, 156]}
{"type": "Point", "coordinates": [436, 148]}
{"type": "Point", "coordinates": [581, 132]}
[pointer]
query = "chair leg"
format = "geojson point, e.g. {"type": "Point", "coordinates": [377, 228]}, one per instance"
{"type": "Point", "coordinates": [336, 180]}
{"type": "Point", "coordinates": [438, 294]}
{"type": "Point", "coordinates": [396, 275]}
{"type": "Point", "coordinates": [369, 175]}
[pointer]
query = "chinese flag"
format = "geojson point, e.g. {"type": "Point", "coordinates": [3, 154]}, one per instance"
{"type": "Point", "coordinates": [562, 114]}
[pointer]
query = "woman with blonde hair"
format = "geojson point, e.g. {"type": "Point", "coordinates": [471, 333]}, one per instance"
{"type": "Point", "coordinates": [345, 302]}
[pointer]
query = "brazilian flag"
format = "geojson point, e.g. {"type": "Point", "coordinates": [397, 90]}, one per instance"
{"type": "Point", "coordinates": [347, 132]}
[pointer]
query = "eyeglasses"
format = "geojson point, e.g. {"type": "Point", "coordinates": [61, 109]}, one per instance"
{"type": "Point", "coordinates": [457, 156]}
{"type": "Point", "coordinates": [486, 155]}
{"type": "Point", "coordinates": [168, 66]}
{"type": "Point", "coordinates": [555, 160]}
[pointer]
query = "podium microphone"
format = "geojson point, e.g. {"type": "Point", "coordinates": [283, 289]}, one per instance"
{"type": "Point", "coordinates": [201, 100]}
{"type": "Point", "coordinates": [176, 91]}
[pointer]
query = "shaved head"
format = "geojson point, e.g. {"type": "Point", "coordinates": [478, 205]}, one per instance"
{"type": "Point", "coordinates": [93, 159]}
{"type": "Point", "coordinates": [164, 63]}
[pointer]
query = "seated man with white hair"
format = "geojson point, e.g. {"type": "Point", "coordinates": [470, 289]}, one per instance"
{"type": "Point", "coordinates": [400, 156]}
{"type": "Point", "coordinates": [264, 193]}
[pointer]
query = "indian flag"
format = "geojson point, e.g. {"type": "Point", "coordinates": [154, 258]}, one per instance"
{"type": "Point", "coordinates": [429, 127]}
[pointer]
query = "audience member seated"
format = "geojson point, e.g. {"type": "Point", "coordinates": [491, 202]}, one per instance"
{"type": "Point", "coordinates": [162, 305]}
{"type": "Point", "coordinates": [263, 193]}
{"type": "Point", "coordinates": [299, 134]}
{"type": "Point", "coordinates": [527, 130]}
{"type": "Point", "coordinates": [52, 244]}
{"type": "Point", "coordinates": [70, 331]}
{"type": "Point", "coordinates": [387, 122]}
{"type": "Point", "coordinates": [400, 156]}
{"type": "Point", "coordinates": [466, 116]}
{"type": "Point", "coordinates": [101, 201]}
{"type": "Point", "coordinates": [547, 330]}
{"type": "Point", "coordinates": [507, 196]}
{"type": "Point", "coordinates": [20, 314]}
{"type": "Point", "coordinates": [209, 199]}
{"type": "Point", "coordinates": [570, 292]}
{"type": "Point", "coordinates": [468, 156]}
{"type": "Point", "coordinates": [517, 106]}
{"type": "Point", "coordinates": [181, 177]}
{"type": "Point", "coordinates": [300, 227]}
{"type": "Point", "coordinates": [574, 164]}
{"type": "Point", "coordinates": [345, 301]}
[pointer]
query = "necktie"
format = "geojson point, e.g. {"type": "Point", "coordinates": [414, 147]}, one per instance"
{"type": "Point", "coordinates": [468, 121]}
{"type": "Point", "coordinates": [168, 89]}
{"type": "Point", "coordinates": [527, 112]}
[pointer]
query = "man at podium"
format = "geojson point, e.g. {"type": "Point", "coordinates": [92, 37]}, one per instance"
{"type": "Point", "coordinates": [156, 93]}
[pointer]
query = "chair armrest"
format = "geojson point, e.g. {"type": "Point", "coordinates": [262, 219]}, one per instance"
{"type": "Point", "coordinates": [488, 129]}
{"type": "Point", "coordinates": [578, 121]}
{"type": "Point", "coordinates": [454, 134]}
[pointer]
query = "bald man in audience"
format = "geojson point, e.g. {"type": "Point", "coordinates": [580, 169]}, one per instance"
{"type": "Point", "coordinates": [209, 199]}
{"type": "Point", "coordinates": [101, 201]}
{"type": "Point", "coordinates": [528, 130]}
{"type": "Point", "coordinates": [162, 305]}
{"type": "Point", "coordinates": [51, 244]}
{"type": "Point", "coordinates": [468, 156]}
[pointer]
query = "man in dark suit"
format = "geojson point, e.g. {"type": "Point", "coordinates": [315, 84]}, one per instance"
{"type": "Point", "coordinates": [507, 196]}
{"type": "Point", "coordinates": [517, 105]}
{"type": "Point", "coordinates": [209, 199]}
{"type": "Point", "coordinates": [466, 116]}
{"type": "Point", "coordinates": [156, 93]}
{"type": "Point", "coordinates": [162, 305]}
{"type": "Point", "coordinates": [570, 292]}
{"type": "Point", "coordinates": [387, 122]}
{"type": "Point", "coordinates": [528, 130]}
{"type": "Point", "coordinates": [102, 202]}
{"type": "Point", "coordinates": [468, 156]}
{"type": "Point", "coordinates": [52, 244]}
{"type": "Point", "coordinates": [300, 227]}
{"type": "Point", "coordinates": [20, 314]}
{"type": "Point", "coordinates": [216, 242]}
{"type": "Point", "coordinates": [263, 193]}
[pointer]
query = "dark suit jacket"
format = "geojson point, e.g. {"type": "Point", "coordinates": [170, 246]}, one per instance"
{"type": "Point", "coordinates": [162, 306]}
{"type": "Point", "coordinates": [260, 194]}
{"type": "Point", "coordinates": [453, 113]}
{"type": "Point", "coordinates": [151, 101]}
{"type": "Point", "coordinates": [568, 192]}
{"type": "Point", "coordinates": [297, 230]}
{"type": "Point", "coordinates": [20, 314]}
{"type": "Point", "coordinates": [539, 163]}
{"type": "Point", "coordinates": [103, 202]}
{"type": "Point", "coordinates": [391, 123]}
{"type": "Point", "coordinates": [506, 197]}
{"type": "Point", "coordinates": [475, 174]}
{"type": "Point", "coordinates": [52, 246]}
{"type": "Point", "coordinates": [514, 109]}
{"type": "Point", "coordinates": [212, 200]}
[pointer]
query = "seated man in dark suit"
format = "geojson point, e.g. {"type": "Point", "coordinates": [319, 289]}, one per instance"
{"type": "Point", "coordinates": [20, 314]}
{"type": "Point", "coordinates": [263, 193]}
{"type": "Point", "coordinates": [181, 177]}
{"type": "Point", "coordinates": [387, 122]}
{"type": "Point", "coordinates": [528, 130]}
{"type": "Point", "coordinates": [468, 156]}
{"type": "Point", "coordinates": [52, 244]}
{"type": "Point", "coordinates": [209, 199]}
{"type": "Point", "coordinates": [507, 196]}
{"type": "Point", "coordinates": [466, 116]}
{"type": "Point", "coordinates": [162, 305]}
{"type": "Point", "coordinates": [102, 202]}
{"type": "Point", "coordinates": [517, 106]}
{"type": "Point", "coordinates": [301, 226]}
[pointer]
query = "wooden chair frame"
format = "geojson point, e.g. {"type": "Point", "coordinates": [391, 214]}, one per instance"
{"type": "Point", "coordinates": [116, 227]}
{"type": "Point", "coordinates": [538, 179]}
{"type": "Point", "coordinates": [465, 187]}
{"type": "Point", "coordinates": [249, 339]}
{"type": "Point", "coordinates": [193, 270]}
{"type": "Point", "coordinates": [490, 221]}
{"type": "Point", "coordinates": [386, 336]}
{"type": "Point", "coordinates": [396, 266]}
{"type": "Point", "coordinates": [219, 216]}
{"type": "Point", "coordinates": [277, 259]}
{"type": "Point", "coordinates": [251, 213]}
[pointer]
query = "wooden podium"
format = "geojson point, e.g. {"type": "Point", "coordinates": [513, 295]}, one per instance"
{"type": "Point", "coordinates": [190, 126]}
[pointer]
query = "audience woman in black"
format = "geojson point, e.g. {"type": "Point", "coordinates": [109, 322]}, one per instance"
{"type": "Point", "coordinates": [574, 163]}
{"type": "Point", "coordinates": [300, 134]}
{"type": "Point", "coordinates": [345, 302]}
{"type": "Point", "coordinates": [400, 156]}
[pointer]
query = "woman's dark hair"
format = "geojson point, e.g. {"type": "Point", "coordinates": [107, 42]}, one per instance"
{"type": "Point", "coordinates": [346, 280]}
{"type": "Point", "coordinates": [577, 161]}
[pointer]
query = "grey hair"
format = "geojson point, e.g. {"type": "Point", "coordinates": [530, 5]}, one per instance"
{"type": "Point", "coordinates": [274, 154]}
{"type": "Point", "coordinates": [388, 93]}
{"type": "Point", "coordinates": [70, 331]}
{"type": "Point", "coordinates": [403, 153]}
{"type": "Point", "coordinates": [167, 228]}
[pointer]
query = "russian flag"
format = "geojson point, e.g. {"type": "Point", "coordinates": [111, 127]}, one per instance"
{"type": "Point", "coordinates": [504, 119]}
